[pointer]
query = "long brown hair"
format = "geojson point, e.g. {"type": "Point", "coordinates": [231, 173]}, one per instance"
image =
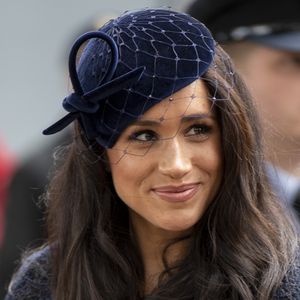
{"type": "Point", "coordinates": [240, 249]}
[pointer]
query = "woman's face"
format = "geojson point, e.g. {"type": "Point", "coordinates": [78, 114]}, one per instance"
{"type": "Point", "coordinates": [167, 166]}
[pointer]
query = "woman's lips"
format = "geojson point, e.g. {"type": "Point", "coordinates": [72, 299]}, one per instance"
{"type": "Point", "coordinates": [177, 194]}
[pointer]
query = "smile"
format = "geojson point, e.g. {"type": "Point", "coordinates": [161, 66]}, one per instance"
{"type": "Point", "coordinates": [177, 194]}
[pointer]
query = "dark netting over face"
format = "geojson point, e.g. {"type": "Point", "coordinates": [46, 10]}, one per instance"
{"type": "Point", "coordinates": [219, 82]}
{"type": "Point", "coordinates": [140, 59]}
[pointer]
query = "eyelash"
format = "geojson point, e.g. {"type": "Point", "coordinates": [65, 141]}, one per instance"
{"type": "Point", "coordinates": [202, 129]}
{"type": "Point", "coordinates": [134, 136]}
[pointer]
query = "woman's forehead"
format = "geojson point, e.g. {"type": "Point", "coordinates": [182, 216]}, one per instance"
{"type": "Point", "coordinates": [191, 100]}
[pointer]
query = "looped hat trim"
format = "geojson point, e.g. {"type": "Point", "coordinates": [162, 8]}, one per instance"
{"type": "Point", "coordinates": [80, 102]}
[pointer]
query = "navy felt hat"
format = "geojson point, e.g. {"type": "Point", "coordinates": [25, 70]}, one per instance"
{"type": "Point", "coordinates": [131, 64]}
{"type": "Point", "coordinates": [273, 23]}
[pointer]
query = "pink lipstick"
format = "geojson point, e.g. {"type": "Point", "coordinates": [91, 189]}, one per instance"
{"type": "Point", "coordinates": [177, 193]}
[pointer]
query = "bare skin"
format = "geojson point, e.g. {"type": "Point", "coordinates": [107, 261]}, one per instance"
{"type": "Point", "coordinates": [173, 172]}
{"type": "Point", "coordinates": [152, 241]}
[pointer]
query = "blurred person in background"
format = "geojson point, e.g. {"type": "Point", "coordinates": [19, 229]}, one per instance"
{"type": "Point", "coordinates": [7, 168]}
{"type": "Point", "coordinates": [7, 165]}
{"type": "Point", "coordinates": [24, 218]}
{"type": "Point", "coordinates": [263, 39]}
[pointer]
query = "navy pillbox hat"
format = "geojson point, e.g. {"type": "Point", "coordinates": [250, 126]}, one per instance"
{"type": "Point", "coordinates": [273, 23]}
{"type": "Point", "coordinates": [131, 64]}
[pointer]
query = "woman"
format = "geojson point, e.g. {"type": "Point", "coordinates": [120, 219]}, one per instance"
{"type": "Point", "coordinates": [162, 194]}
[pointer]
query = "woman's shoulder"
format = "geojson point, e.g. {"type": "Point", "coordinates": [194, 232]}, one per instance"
{"type": "Point", "coordinates": [290, 286]}
{"type": "Point", "coordinates": [32, 280]}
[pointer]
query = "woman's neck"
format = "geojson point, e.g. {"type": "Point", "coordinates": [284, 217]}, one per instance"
{"type": "Point", "coordinates": [152, 241]}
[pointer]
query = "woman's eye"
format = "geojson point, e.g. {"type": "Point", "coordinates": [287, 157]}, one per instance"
{"type": "Point", "coordinates": [143, 136]}
{"type": "Point", "coordinates": [198, 131]}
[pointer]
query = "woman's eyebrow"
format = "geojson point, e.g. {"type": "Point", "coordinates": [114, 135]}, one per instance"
{"type": "Point", "coordinates": [184, 119]}
{"type": "Point", "coordinates": [146, 123]}
{"type": "Point", "coordinates": [192, 117]}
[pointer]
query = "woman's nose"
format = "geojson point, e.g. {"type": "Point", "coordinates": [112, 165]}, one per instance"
{"type": "Point", "coordinates": [174, 161]}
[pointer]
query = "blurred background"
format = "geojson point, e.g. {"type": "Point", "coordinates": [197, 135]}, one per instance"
{"type": "Point", "coordinates": [35, 40]}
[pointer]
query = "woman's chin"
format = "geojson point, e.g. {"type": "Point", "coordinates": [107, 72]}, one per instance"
{"type": "Point", "coordinates": [177, 225]}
